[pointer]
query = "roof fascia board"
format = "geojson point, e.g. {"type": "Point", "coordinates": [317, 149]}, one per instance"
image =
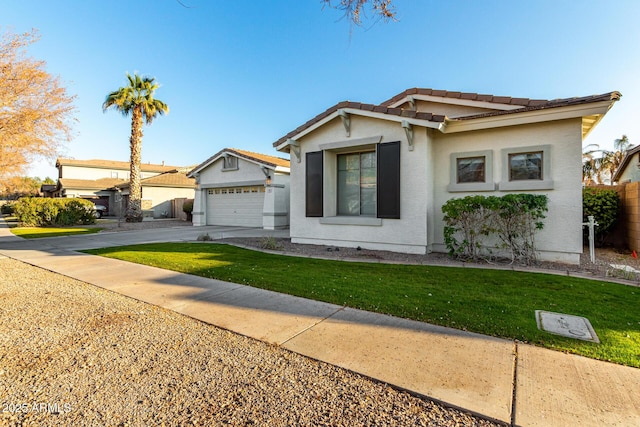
{"type": "Point", "coordinates": [230, 152]}
{"type": "Point", "coordinates": [457, 101]}
{"type": "Point", "coordinates": [282, 169]}
{"type": "Point", "coordinates": [528, 117]}
{"type": "Point", "coordinates": [254, 161]}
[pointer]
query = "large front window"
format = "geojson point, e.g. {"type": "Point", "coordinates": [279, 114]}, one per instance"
{"type": "Point", "coordinates": [357, 184]}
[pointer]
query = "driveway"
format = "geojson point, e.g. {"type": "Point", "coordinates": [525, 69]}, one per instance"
{"type": "Point", "coordinates": [153, 235]}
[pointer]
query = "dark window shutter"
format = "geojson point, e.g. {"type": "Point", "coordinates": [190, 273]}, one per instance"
{"type": "Point", "coordinates": [313, 194]}
{"type": "Point", "coordinates": [388, 182]}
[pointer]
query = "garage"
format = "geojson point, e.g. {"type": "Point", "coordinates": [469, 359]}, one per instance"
{"type": "Point", "coordinates": [236, 206]}
{"type": "Point", "coordinates": [243, 189]}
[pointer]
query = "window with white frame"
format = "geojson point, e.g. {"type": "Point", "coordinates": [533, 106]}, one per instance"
{"type": "Point", "coordinates": [526, 168]}
{"type": "Point", "coordinates": [471, 171]}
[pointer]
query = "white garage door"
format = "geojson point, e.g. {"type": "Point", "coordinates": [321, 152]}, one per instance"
{"type": "Point", "coordinates": [239, 206]}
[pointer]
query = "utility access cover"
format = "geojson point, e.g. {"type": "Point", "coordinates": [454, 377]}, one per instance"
{"type": "Point", "coordinates": [566, 325]}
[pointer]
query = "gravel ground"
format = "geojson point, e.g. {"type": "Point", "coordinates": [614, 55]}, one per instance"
{"type": "Point", "coordinates": [73, 354]}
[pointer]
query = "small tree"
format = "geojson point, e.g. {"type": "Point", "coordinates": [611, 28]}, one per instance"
{"type": "Point", "coordinates": [35, 110]}
{"type": "Point", "coordinates": [603, 205]}
{"type": "Point", "coordinates": [187, 207]}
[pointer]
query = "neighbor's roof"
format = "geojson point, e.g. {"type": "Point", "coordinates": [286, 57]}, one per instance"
{"type": "Point", "coordinates": [113, 164]}
{"type": "Point", "coordinates": [391, 106]}
{"type": "Point", "coordinates": [99, 184]}
{"type": "Point", "coordinates": [264, 159]}
{"type": "Point", "coordinates": [174, 178]}
{"type": "Point", "coordinates": [625, 162]}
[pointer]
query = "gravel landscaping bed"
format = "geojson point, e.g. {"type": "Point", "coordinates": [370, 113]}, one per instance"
{"type": "Point", "coordinates": [605, 258]}
{"type": "Point", "coordinates": [73, 354]}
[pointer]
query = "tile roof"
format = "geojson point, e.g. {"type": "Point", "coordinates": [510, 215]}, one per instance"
{"type": "Point", "coordinates": [554, 103]}
{"type": "Point", "coordinates": [174, 178]}
{"type": "Point", "coordinates": [100, 184]}
{"type": "Point", "coordinates": [526, 104]}
{"type": "Point", "coordinates": [113, 164]}
{"type": "Point", "coordinates": [265, 159]}
{"type": "Point", "coordinates": [364, 107]}
{"type": "Point", "coordinates": [466, 96]}
{"type": "Point", "coordinates": [262, 158]}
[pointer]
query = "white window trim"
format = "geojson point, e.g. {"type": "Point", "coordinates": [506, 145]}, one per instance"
{"type": "Point", "coordinates": [546, 183]}
{"type": "Point", "coordinates": [351, 220]}
{"type": "Point", "coordinates": [488, 185]}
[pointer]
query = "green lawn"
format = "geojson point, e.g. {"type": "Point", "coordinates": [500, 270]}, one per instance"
{"type": "Point", "coordinates": [491, 302]}
{"type": "Point", "coordinates": [37, 232]}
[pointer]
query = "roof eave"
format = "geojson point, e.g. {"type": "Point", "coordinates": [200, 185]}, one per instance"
{"type": "Point", "coordinates": [284, 146]}
{"type": "Point", "coordinates": [597, 109]}
{"type": "Point", "coordinates": [456, 101]}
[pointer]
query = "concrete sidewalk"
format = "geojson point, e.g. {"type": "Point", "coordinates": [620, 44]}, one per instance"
{"type": "Point", "coordinates": [511, 382]}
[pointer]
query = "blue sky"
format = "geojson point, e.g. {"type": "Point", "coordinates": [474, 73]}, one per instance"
{"type": "Point", "coordinates": [244, 73]}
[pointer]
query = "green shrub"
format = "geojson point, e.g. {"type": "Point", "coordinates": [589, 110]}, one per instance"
{"type": "Point", "coordinates": [76, 211]}
{"type": "Point", "coordinates": [187, 206]}
{"type": "Point", "coordinates": [36, 212]}
{"type": "Point", "coordinates": [603, 205]}
{"type": "Point", "coordinates": [475, 226]}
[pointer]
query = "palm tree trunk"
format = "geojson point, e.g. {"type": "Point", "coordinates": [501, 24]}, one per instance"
{"type": "Point", "coordinates": [134, 212]}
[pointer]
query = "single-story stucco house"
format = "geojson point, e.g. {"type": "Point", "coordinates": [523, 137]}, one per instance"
{"type": "Point", "coordinates": [242, 188]}
{"type": "Point", "coordinates": [377, 176]}
{"type": "Point", "coordinates": [160, 191]}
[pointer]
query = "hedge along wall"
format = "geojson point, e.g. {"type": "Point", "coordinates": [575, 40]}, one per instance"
{"type": "Point", "coordinates": [626, 234]}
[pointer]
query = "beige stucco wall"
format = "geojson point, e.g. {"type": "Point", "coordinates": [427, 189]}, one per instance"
{"type": "Point", "coordinates": [449, 110]}
{"type": "Point", "coordinates": [425, 175]}
{"type": "Point", "coordinates": [160, 198]}
{"type": "Point", "coordinates": [561, 238]}
{"type": "Point", "coordinates": [407, 234]}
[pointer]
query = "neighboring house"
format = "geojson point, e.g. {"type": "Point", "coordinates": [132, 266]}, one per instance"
{"type": "Point", "coordinates": [242, 188]}
{"type": "Point", "coordinates": [629, 169]}
{"type": "Point", "coordinates": [97, 179]}
{"type": "Point", "coordinates": [377, 176]}
{"type": "Point", "coordinates": [46, 190]}
{"type": "Point", "coordinates": [160, 191]}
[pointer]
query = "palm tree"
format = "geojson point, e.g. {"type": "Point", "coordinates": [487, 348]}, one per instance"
{"type": "Point", "coordinates": [136, 99]}
{"type": "Point", "coordinates": [590, 164]}
{"type": "Point", "coordinates": [608, 162]}
{"type": "Point", "coordinates": [614, 158]}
